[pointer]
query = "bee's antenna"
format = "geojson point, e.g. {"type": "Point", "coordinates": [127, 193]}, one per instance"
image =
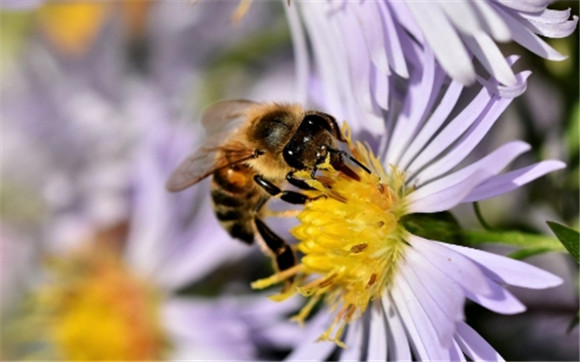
{"type": "Point", "coordinates": [347, 155]}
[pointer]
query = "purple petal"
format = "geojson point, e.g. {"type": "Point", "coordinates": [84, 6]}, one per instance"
{"type": "Point", "coordinates": [441, 288]}
{"type": "Point", "coordinates": [433, 123]}
{"type": "Point", "coordinates": [423, 336]}
{"type": "Point", "coordinates": [527, 38]}
{"type": "Point", "coordinates": [492, 23]}
{"type": "Point", "coordinates": [196, 259]}
{"type": "Point", "coordinates": [416, 104]}
{"type": "Point", "coordinates": [392, 43]}
{"type": "Point", "coordinates": [487, 52]}
{"type": "Point", "coordinates": [355, 50]}
{"type": "Point", "coordinates": [353, 341]}
{"type": "Point", "coordinates": [446, 192]}
{"type": "Point", "coordinates": [500, 301]}
{"type": "Point", "coordinates": [369, 16]}
{"type": "Point", "coordinates": [309, 349]}
{"type": "Point", "coordinates": [509, 181]}
{"type": "Point", "coordinates": [443, 38]}
{"type": "Point", "coordinates": [300, 53]}
{"type": "Point", "coordinates": [398, 344]}
{"type": "Point", "coordinates": [380, 88]}
{"type": "Point", "coordinates": [20, 4]}
{"type": "Point", "coordinates": [530, 6]}
{"type": "Point", "coordinates": [377, 348]}
{"type": "Point", "coordinates": [507, 91]}
{"type": "Point", "coordinates": [334, 75]}
{"type": "Point", "coordinates": [464, 147]}
{"type": "Point", "coordinates": [457, 267]}
{"type": "Point", "coordinates": [401, 14]}
{"type": "Point", "coordinates": [549, 16]}
{"type": "Point", "coordinates": [443, 325]}
{"type": "Point", "coordinates": [455, 353]}
{"type": "Point", "coordinates": [509, 271]}
{"type": "Point", "coordinates": [474, 346]}
{"type": "Point", "coordinates": [462, 15]}
{"type": "Point", "coordinates": [551, 30]}
{"type": "Point", "coordinates": [452, 130]}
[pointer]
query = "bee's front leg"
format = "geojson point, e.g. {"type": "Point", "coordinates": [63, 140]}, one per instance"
{"type": "Point", "coordinates": [298, 182]}
{"type": "Point", "coordinates": [292, 197]}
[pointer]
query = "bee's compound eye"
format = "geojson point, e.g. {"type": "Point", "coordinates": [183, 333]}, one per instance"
{"type": "Point", "coordinates": [292, 159]}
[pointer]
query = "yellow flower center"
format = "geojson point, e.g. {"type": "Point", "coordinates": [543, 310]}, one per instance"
{"type": "Point", "coordinates": [95, 310]}
{"type": "Point", "coordinates": [351, 239]}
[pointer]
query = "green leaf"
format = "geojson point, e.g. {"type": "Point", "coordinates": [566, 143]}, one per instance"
{"type": "Point", "coordinates": [444, 227]}
{"type": "Point", "coordinates": [568, 237]}
{"type": "Point", "coordinates": [530, 244]}
{"type": "Point", "coordinates": [526, 253]}
{"type": "Point", "coordinates": [440, 226]}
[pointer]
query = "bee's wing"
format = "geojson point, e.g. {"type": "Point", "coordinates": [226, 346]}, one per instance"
{"type": "Point", "coordinates": [220, 121]}
{"type": "Point", "coordinates": [225, 117]}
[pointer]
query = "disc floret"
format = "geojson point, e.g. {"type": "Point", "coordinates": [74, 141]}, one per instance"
{"type": "Point", "coordinates": [350, 238]}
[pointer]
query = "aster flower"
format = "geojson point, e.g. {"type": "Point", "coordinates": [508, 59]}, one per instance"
{"type": "Point", "coordinates": [363, 44]}
{"type": "Point", "coordinates": [391, 294]}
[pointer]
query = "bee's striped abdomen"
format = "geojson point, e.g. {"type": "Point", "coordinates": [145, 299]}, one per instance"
{"type": "Point", "coordinates": [235, 196]}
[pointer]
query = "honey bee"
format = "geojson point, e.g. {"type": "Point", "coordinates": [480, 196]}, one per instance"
{"type": "Point", "coordinates": [251, 149]}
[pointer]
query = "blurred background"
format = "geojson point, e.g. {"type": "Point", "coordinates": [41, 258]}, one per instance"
{"type": "Point", "coordinates": [101, 100]}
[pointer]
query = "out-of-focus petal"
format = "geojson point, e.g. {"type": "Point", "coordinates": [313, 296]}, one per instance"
{"type": "Point", "coordinates": [300, 53]}
{"type": "Point", "coordinates": [446, 44]}
{"type": "Point", "coordinates": [492, 22]}
{"type": "Point", "coordinates": [20, 4]}
{"type": "Point", "coordinates": [393, 43]}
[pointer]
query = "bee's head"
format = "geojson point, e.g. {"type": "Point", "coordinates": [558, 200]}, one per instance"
{"type": "Point", "coordinates": [310, 144]}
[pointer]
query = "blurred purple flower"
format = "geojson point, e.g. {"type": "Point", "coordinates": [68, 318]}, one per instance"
{"type": "Point", "coordinates": [95, 143]}
{"type": "Point", "coordinates": [363, 44]}
{"type": "Point", "coordinates": [20, 4]}
{"type": "Point", "coordinates": [172, 241]}
{"type": "Point", "coordinates": [401, 296]}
